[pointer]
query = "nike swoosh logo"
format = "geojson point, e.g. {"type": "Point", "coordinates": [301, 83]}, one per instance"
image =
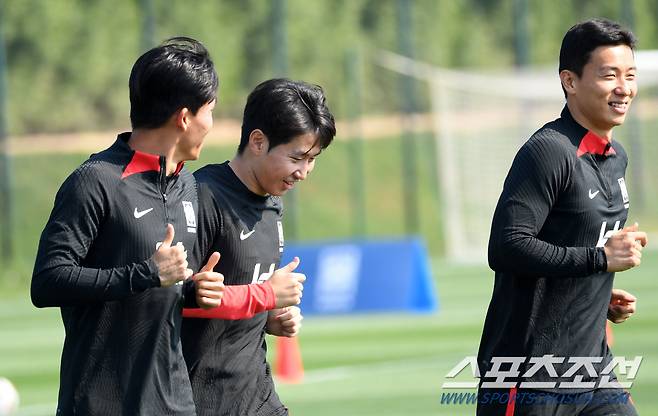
{"type": "Point", "coordinates": [593, 194]}
{"type": "Point", "coordinates": [140, 214]}
{"type": "Point", "coordinates": [244, 236]}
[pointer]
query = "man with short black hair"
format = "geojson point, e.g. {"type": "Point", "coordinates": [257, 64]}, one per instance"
{"type": "Point", "coordinates": [113, 252]}
{"type": "Point", "coordinates": [286, 125]}
{"type": "Point", "coordinates": [558, 237]}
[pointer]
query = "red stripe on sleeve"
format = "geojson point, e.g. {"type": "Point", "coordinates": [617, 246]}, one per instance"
{"type": "Point", "coordinates": [239, 302]}
{"type": "Point", "coordinates": [511, 402]}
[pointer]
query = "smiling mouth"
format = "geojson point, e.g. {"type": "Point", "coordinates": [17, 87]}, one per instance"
{"type": "Point", "coordinates": [619, 106]}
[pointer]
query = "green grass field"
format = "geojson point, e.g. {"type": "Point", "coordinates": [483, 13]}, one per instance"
{"type": "Point", "coordinates": [365, 365]}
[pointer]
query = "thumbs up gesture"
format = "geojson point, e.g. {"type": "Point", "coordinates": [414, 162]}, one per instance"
{"type": "Point", "coordinates": [171, 260]}
{"type": "Point", "coordinates": [287, 284]}
{"type": "Point", "coordinates": [624, 249]}
{"type": "Point", "coordinates": [209, 285]}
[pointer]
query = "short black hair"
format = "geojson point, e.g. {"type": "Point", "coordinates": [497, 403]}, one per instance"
{"type": "Point", "coordinates": [584, 37]}
{"type": "Point", "coordinates": [283, 109]}
{"type": "Point", "coordinates": [179, 73]}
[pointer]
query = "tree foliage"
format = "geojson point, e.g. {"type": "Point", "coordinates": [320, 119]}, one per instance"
{"type": "Point", "coordinates": [69, 60]}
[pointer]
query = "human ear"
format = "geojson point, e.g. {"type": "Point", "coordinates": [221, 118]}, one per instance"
{"type": "Point", "coordinates": [568, 80]}
{"type": "Point", "coordinates": [182, 118]}
{"type": "Point", "coordinates": [258, 142]}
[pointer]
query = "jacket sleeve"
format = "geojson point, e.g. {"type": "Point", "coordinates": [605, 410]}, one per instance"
{"type": "Point", "coordinates": [239, 302]}
{"type": "Point", "coordinates": [59, 277]}
{"type": "Point", "coordinates": [540, 172]}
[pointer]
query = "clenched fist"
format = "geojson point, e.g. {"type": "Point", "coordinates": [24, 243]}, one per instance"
{"type": "Point", "coordinates": [285, 322]}
{"type": "Point", "coordinates": [624, 249]}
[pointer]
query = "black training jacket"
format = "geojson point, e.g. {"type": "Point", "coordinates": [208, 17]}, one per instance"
{"type": "Point", "coordinates": [227, 359]}
{"type": "Point", "coordinates": [122, 352]}
{"type": "Point", "coordinates": [565, 194]}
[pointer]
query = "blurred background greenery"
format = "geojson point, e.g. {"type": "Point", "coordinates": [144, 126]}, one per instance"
{"type": "Point", "coordinates": [69, 60]}
{"type": "Point", "coordinates": [67, 64]}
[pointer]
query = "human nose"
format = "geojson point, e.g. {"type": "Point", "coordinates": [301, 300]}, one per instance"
{"type": "Point", "coordinates": [626, 87]}
{"type": "Point", "coordinates": [302, 172]}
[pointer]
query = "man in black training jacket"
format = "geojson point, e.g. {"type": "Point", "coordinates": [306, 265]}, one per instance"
{"type": "Point", "coordinates": [286, 125]}
{"type": "Point", "coordinates": [113, 253]}
{"type": "Point", "coordinates": [557, 239]}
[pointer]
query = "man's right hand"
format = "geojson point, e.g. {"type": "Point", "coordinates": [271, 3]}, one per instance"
{"type": "Point", "coordinates": [624, 249]}
{"type": "Point", "coordinates": [171, 260]}
{"type": "Point", "coordinates": [209, 285]}
{"type": "Point", "coordinates": [287, 285]}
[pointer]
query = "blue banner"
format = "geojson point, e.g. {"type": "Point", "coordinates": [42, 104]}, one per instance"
{"type": "Point", "coordinates": [344, 277]}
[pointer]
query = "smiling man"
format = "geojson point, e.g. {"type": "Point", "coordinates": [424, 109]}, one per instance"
{"type": "Point", "coordinates": [286, 125]}
{"type": "Point", "coordinates": [557, 239]}
{"type": "Point", "coordinates": [113, 253]}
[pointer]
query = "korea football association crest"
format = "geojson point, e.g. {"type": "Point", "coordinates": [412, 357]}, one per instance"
{"type": "Point", "coordinates": [190, 216]}
{"type": "Point", "coordinates": [279, 227]}
{"type": "Point", "coordinates": [624, 192]}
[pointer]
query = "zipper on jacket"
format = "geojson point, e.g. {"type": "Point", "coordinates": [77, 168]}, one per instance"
{"type": "Point", "coordinates": [163, 186]}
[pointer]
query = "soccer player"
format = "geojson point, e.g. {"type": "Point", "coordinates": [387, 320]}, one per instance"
{"type": "Point", "coordinates": [114, 248]}
{"type": "Point", "coordinates": [558, 237]}
{"type": "Point", "coordinates": [286, 125]}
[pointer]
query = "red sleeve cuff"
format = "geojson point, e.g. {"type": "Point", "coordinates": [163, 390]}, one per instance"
{"type": "Point", "coordinates": [239, 302]}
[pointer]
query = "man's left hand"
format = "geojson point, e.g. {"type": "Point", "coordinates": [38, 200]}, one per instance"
{"type": "Point", "coordinates": [622, 306]}
{"type": "Point", "coordinates": [284, 322]}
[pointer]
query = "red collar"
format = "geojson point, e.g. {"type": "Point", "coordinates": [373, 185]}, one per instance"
{"type": "Point", "coordinates": [591, 143]}
{"type": "Point", "coordinates": [145, 162]}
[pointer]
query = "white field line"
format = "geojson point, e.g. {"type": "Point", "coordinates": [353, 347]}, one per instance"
{"type": "Point", "coordinates": [322, 375]}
